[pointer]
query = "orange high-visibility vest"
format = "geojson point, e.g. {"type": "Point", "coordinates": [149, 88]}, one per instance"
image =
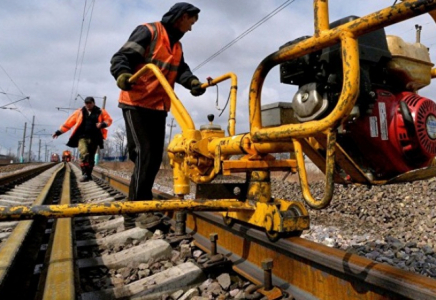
{"type": "Point", "coordinates": [77, 117]}
{"type": "Point", "coordinates": [147, 91]}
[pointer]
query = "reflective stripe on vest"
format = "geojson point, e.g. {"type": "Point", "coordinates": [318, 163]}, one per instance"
{"type": "Point", "coordinates": [147, 92]}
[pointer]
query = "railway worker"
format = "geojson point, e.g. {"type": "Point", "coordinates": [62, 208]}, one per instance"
{"type": "Point", "coordinates": [90, 123]}
{"type": "Point", "coordinates": [145, 104]}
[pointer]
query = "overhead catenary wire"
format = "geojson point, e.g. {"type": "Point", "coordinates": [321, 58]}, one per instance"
{"type": "Point", "coordinates": [7, 95]}
{"type": "Point", "coordinates": [84, 47]}
{"type": "Point", "coordinates": [79, 58]}
{"type": "Point", "coordinates": [78, 52]}
{"type": "Point", "coordinates": [18, 88]}
{"type": "Point", "coordinates": [242, 35]}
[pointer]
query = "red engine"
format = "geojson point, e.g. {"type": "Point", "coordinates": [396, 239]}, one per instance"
{"type": "Point", "coordinates": [391, 130]}
{"type": "Point", "coordinates": [397, 133]}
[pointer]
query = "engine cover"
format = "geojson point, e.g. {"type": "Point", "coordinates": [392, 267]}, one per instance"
{"type": "Point", "coordinates": [397, 134]}
{"type": "Point", "coordinates": [308, 104]}
{"type": "Point", "coordinates": [423, 140]}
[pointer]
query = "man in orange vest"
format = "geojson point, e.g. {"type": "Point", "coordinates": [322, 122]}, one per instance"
{"type": "Point", "coordinates": [145, 104]}
{"type": "Point", "coordinates": [89, 131]}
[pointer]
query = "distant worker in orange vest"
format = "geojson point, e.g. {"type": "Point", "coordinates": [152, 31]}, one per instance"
{"type": "Point", "coordinates": [145, 104]}
{"type": "Point", "coordinates": [90, 123]}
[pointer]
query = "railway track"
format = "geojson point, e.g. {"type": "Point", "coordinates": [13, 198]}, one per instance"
{"type": "Point", "coordinates": [93, 257]}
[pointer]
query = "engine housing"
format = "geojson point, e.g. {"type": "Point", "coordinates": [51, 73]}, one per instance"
{"type": "Point", "coordinates": [395, 135]}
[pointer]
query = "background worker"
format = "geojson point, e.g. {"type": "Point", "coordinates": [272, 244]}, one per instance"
{"type": "Point", "coordinates": [145, 104]}
{"type": "Point", "coordinates": [89, 131]}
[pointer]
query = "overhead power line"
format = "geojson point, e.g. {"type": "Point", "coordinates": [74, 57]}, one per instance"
{"type": "Point", "coordinates": [7, 95]}
{"type": "Point", "coordinates": [4, 106]}
{"type": "Point", "coordinates": [242, 35]}
{"type": "Point", "coordinates": [77, 69]}
{"type": "Point", "coordinates": [12, 80]}
{"type": "Point", "coordinates": [84, 47]}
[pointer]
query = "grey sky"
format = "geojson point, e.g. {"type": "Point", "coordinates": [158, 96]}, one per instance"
{"type": "Point", "coordinates": [39, 47]}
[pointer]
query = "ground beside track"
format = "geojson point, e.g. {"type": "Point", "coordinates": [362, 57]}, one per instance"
{"type": "Point", "coordinates": [12, 168]}
{"type": "Point", "coordinates": [394, 224]}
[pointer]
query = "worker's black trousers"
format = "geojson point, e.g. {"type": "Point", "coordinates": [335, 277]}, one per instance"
{"type": "Point", "coordinates": [145, 129]}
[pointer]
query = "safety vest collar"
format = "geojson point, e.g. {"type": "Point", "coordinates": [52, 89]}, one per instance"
{"type": "Point", "coordinates": [157, 29]}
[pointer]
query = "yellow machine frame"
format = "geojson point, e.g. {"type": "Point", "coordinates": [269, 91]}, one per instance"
{"type": "Point", "coordinates": [200, 155]}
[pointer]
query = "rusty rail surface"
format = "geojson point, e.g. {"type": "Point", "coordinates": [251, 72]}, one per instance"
{"type": "Point", "coordinates": [305, 269]}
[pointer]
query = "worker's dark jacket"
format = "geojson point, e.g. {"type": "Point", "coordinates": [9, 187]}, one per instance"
{"type": "Point", "coordinates": [135, 51]}
{"type": "Point", "coordinates": [85, 126]}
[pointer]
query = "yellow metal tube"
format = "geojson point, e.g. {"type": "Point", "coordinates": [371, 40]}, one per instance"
{"type": "Point", "coordinates": [431, 13]}
{"type": "Point", "coordinates": [181, 182]}
{"type": "Point", "coordinates": [233, 90]}
{"type": "Point", "coordinates": [238, 144]}
{"type": "Point", "coordinates": [330, 164]}
{"type": "Point", "coordinates": [116, 208]}
{"type": "Point", "coordinates": [358, 27]}
{"type": "Point", "coordinates": [204, 178]}
{"type": "Point", "coordinates": [235, 145]}
{"type": "Point", "coordinates": [433, 73]}
{"type": "Point", "coordinates": [321, 12]}
{"type": "Point", "coordinates": [347, 99]}
{"type": "Point", "coordinates": [177, 109]}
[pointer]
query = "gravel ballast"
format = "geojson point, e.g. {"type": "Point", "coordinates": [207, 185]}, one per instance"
{"type": "Point", "coordinates": [393, 224]}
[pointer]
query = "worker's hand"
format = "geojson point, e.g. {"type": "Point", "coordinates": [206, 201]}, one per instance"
{"type": "Point", "coordinates": [101, 125]}
{"type": "Point", "coordinates": [123, 82]}
{"type": "Point", "coordinates": [196, 89]}
{"type": "Point", "coordinates": [56, 134]}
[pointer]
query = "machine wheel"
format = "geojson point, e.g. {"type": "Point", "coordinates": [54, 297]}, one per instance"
{"type": "Point", "coordinates": [293, 211]}
{"type": "Point", "coordinates": [273, 236]}
{"type": "Point", "coordinates": [297, 233]}
{"type": "Point", "coordinates": [228, 221]}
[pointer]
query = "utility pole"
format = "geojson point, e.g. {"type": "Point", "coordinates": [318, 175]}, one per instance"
{"type": "Point", "coordinates": [46, 155]}
{"type": "Point", "coordinates": [18, 150]}
{"type": "Point", "coordinates": [39, 151]}
{"type": "Point", "coordinates": [23, 143]}
{"type": "Point", "coordinates": [418, 33]}
{"type": "Point", "coordinates": [31, 137]}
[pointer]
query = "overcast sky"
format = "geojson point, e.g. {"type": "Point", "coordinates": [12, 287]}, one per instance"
{"type": "Point", "coordinates": [57, 51]}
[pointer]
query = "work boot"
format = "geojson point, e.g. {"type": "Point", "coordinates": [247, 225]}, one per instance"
{"type": "Point", "coordinates": [89, 172]}
{"type": "Point", "coordinates": [84, 167]}
{"type": "Point", "coordinates": [129, 221]}
{"type": "Point", "coordinates": [147, 220]}
{"type": "Point", "coordinates": [84, 178]}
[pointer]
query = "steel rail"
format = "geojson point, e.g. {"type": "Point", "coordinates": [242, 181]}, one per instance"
{"type": "Point", "coordinates": [12, 246]}
{"type": "Point", "coordinates": [306, 269]}
{"type": "Point", "coordinates": [59, 282]}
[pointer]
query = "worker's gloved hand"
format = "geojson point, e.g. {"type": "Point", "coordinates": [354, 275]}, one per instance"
{"type": "Point", "coordinates": [56, 134]}
{"type": "Point", "coordinates": [123, 82]}
{"type": "Point", "coordinates": [196, 89]}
